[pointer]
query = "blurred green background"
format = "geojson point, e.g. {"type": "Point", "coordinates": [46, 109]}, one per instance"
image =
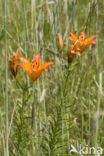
{"type": "Point", "coordinates": [66, 104]}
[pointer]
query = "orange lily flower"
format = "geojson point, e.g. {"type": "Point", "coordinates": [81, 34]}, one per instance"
{"type": "Point", "coordinates": [13, 62]}
{"type": "Point", "coordinates": [59, 42]}
{"type": "Point", "coordinates": [34, 69]}
{"type": "Point", "coordinates": [81, 43]}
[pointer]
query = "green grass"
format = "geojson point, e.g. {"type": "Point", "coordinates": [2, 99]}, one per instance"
{"type": "Point", "coordinates": [66, 104]}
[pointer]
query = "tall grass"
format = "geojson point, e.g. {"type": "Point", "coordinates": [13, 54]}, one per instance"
{"type": "Point", "coordinates": [6, 76]}
{"type": "Point", "coordinates": [65, 105]}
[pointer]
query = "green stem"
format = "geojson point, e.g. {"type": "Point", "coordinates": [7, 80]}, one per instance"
{"type": "Point", "coordinates": [62, 103]}
{"type": "Point", "coordinates": [18, 83]}
{"type": "Point", "coordinates": [66, 80]}
{"type": "Point", "coordinates": [20, 135]}
{"type": "Point", "coordinates": [22, 108]}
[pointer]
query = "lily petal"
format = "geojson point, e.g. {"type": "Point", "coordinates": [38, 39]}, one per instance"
{"type": "Point", "coordinates": [82, 35]}
{"type": "Point", "coordinates": [73, 37]}
{"type": "Point", "coordinates": [78, 53]}
{"type": "Point", "coordinates": [36, 61]}
{"type": "Point", "coordinates": [26, 65]}
{"type": "Point", "coordinates": [13, 67]}
{"type": "Point", "coordinates": [37, 58]}
{"type": "Point", "coordinates": [45, 65]}
{"type": "Point", "coordinates": [90, 40]}
{"type": "Point", "coordinates": [16, 55]}
{"type": "Point", "coordinates": [13, 62]}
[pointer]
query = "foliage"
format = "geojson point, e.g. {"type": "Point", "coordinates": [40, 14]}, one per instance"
{"type": "Point", "coordinates": [65, 105]}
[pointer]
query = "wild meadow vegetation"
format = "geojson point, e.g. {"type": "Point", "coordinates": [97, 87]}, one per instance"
{"type": "Point", "coordinates": [65, 105]}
